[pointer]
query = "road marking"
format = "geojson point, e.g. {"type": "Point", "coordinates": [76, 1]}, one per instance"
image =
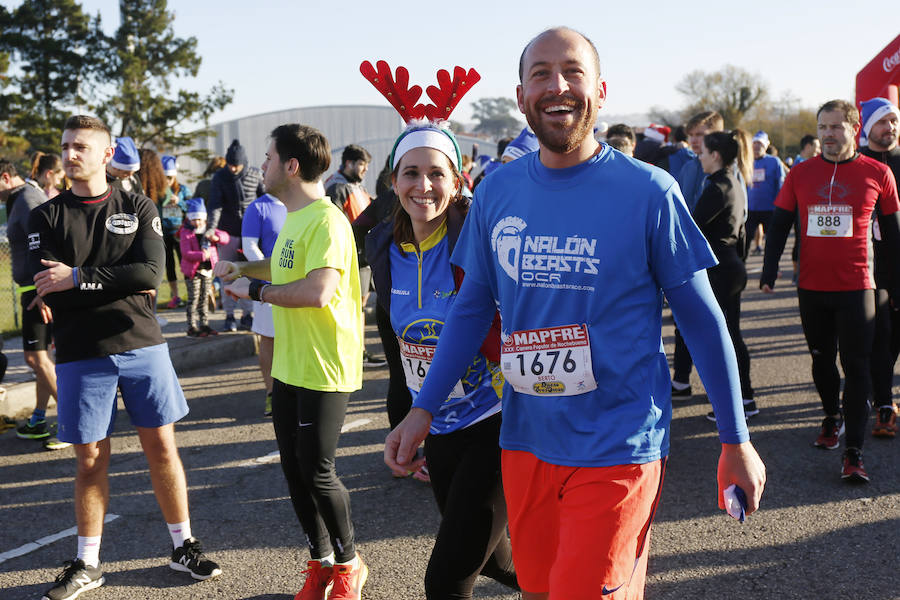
{"type": "Point", "coordinates": [46, 541]}
{"type": "Point", "coordinates": [354, 424]}
{"type": "Point", "coordinates": [274, 457]}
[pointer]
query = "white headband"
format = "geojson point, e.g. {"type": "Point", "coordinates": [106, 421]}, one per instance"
{"type": "Point", "coordinates": [426, 138]}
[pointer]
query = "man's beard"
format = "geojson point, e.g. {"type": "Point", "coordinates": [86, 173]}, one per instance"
{"type": "Point", "coordinates": [551, 136]}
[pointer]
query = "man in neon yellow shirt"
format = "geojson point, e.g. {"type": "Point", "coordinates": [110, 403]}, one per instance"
{"type": "Point", "coordinates": [318, 350]}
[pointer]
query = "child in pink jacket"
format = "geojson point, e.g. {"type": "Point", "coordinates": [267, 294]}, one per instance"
{"type": "Point", "coordinates": [198, 257]}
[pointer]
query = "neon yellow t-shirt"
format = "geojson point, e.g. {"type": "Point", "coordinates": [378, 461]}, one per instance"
{"type": "Point", "coordinates": [318, 348]}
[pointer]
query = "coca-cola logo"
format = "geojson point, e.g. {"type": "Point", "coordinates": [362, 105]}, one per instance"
{"type": "Point", "coordinates": [890, 62]}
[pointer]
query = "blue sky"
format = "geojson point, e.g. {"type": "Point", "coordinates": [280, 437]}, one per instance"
{"type": "Point", "coordinates": [280, 54]}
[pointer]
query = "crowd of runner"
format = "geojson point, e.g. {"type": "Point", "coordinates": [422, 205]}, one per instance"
{"type": "Point", "coordinates": [523, 345]}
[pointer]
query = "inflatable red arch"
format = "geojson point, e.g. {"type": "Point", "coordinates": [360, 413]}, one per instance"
{"type": "Point", "coordinates": [881, 77]}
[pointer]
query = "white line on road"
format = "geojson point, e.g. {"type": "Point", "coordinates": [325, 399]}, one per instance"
{"type": "Point", "coordinates": [45, 541]}
{"type": "Point", "coordinates": [274, 457]}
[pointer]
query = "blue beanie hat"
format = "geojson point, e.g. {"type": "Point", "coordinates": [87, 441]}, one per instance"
{"type": "Point", "coordinates": [523, 144]}
{"type": "Point", "coordinates": [196, 209]}
{"type": "Point", "coordinates": [873, 111]}
{"type": "Point", "coordinates": [126, 156]}
{"type": "Point", "coordinates": [236, 155]}
{"type": "Point", "coordinates": [169, 166]}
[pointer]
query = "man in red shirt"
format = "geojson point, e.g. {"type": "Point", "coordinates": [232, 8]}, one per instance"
{"type": "Point", "coordinates": [835, 196]}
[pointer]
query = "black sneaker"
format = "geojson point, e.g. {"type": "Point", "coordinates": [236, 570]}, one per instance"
{"type": "Point", "coordinates": [190, 559]}
{"type": "Point", "coordinates": [681, 392]}
{"type": "Point", "coordinates": [370, 362]}
{"type": "Point", "coordinates": [246, 323]}
{"type": "Point", "coordinates": [38, 431]}
{"type": "Point", "coordinates": [230, 324]}
{"type": "Point", "coordinates": [75, 578]}
{"type": "Point", "coordinates": [750, 409]}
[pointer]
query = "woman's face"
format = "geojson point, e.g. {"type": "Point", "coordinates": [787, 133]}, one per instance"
{"type": "Point", "coordinates": [55, 178]}
{"type": "Point", "coordinates": [425, 184]}
{"type": "Point", "coordinates": [710, 161]}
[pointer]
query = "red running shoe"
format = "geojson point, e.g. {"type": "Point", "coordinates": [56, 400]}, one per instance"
{"type": "Point", "coordinates": [832, 430]}
{"type": "Point", "coordinates": [886, 422]}
{"type": "Point", "coordinates": [349, 582]}
{"type": "Point", "coordinates": [318, 581]}
{"type": "Point", "coordinates": [853, 469]}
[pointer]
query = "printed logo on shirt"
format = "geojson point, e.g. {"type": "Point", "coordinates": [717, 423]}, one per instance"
{"type": "Point", "coordinates": [397, 292]}
{"type": "Point", "coordinates": [91, 287]}
{"type": "Point", "coordinates": [156, 224]}
{"type": "Point", "coordinates": [546, 261]}
{"type": "Point", "coordinates": [286, 260]}
{"type": "Point", "coordinates": [122, 223]}
{"type": "Point", "coordinates": [34, 241]}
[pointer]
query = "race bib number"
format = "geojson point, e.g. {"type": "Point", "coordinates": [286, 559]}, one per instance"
{"type": "Point", "coordinates": [759, 175]}
{"type": "Point", "coordinates": [834, 221]}
{"type": "Point", "coordinates": [553, 361]}
{"type": "Point", "coordinates": [416, 362]}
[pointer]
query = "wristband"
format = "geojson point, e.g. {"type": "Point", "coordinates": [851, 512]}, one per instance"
{"type": "Point", "coordinates": [253, 291]}
{"type": "Point", "coordinates": [263, 289]}
{"type": "Point", "coordinates": [75, 276]}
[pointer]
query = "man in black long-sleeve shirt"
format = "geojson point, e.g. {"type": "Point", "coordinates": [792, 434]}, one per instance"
{"type": "Point", "coordinates": [97, 255]}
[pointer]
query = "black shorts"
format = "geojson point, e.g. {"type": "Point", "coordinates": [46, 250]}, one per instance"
{"type": "Point", "coordinates": [36, 335]}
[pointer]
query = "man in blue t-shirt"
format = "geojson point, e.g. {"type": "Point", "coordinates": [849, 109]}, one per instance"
{"type": "Point", "coordinates": [262, 221]}
{"type": "Point", "coordinates": [586, 411]}
{"type": "Point", "coordinates": [768, 177]}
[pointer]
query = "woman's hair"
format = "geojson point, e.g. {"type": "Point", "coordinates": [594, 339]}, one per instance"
{"type": "Point", "coordinates": [151, 174]}
{"type": "Point", "coordinates": [41, 163]}
{"type": "Point", "coordinates": [175, 187]}
{"type": "Point", "coordinates": [403, 229]}
{"type": "Point", "coordinates": [214, 165]}
{"type": "Point", "coordinates": [733, 146]}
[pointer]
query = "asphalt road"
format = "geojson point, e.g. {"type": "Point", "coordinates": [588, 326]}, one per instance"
{"type": "Point", "coordinates": [815, 537]}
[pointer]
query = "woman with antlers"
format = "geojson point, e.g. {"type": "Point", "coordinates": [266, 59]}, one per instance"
{"type": "Point", "coordinates": [410, 259]}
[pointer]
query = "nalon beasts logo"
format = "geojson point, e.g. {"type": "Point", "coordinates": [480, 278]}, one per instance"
{"type": "Point", "coordinates": [122, 223]}
{"type": "Point", "coordinates": [506, 241]}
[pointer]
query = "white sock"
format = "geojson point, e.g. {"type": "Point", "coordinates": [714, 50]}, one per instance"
{"type": "Point", "coordinates": [180, 532]}
{"type": "Point", "coordinates": [354, 564]}
{"type": "Point", "coordinates": [89, 550]}
{"type": "Point", "coordinates": [327, 561]}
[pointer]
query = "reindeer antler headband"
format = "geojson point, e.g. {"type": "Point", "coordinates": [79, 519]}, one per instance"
{"type": "Point", "coordinates": [395, 87]}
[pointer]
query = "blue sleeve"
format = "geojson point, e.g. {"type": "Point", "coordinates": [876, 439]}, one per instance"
{"type": "Point", "coordinates": [464, 331]}
{"type": "Point", "coordinates": [472, 252]}
{"type": "Point", "coordinates": [676, 247]}
{"type": "Point", "coordinates": [250, 225]}
{"type": "Point", "coordinates": [702, 324]}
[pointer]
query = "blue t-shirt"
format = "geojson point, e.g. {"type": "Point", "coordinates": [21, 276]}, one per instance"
{"type": "Point", "coordinates": [592, 244]}
{"type": "Point", "coordinates": [768, 176]}
{"type": "Point", "coordinates": [263, 220]}
{"type": "Point", "coordinates": [422, 292]}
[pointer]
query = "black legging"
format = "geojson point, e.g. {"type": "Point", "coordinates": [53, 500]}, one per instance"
{"type": "Point", "coordinates": [399, 400]}
{"type": "Point", "coordinates": [307, 427]}
{"type": "Point", "coordinates": [885, 349]}
{"type": "Point", "coordinates": [173, 256]}
{"type": "Point", "coordinates": [846, 320]}
{"type": "Point", "coordinates": [465, 478]}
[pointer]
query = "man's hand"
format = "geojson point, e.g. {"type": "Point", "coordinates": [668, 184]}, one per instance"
{"type": "Point", "coordinates": [46, 313]}
{"type": "Point", "coordinates": [401, 444]}
{"type": "Point", "coordinates": [238, 289]}
{"type": "Point", "coordinates": [57, 277]}
{"type": "Point", "coordinates": [740, 464]}
{"type": "Point", "coordinates": [765, 288]}
{"type": "Point", "coordinates": [227, 270]}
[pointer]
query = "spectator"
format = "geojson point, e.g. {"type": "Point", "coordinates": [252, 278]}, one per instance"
{"type": "Point", "coordinates": [199, 255]}
{"type": "Point", "coordinates": [621, 137]}
{"type": "Point", "coordinates": [233, 188]}
{"type": "Point", "coordinates": [172, 212]}
{"type": "Point", "coordinates": [121, 171]}
{"type": "Point", "coordinates": [47, 172]}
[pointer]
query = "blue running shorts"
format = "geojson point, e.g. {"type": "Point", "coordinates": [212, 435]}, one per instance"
{"type": "Point", "coordinates": [87, 393]}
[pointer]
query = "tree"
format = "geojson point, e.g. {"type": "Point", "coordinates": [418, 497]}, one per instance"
{"type": "Point", "coordinates": [731, 91]}
{"type": "Point", "coordinates": [47, 42]}
{"type": "Point", "coordinates": [494, 118]}
{"type": "Point", "coordinates": [145, 59]}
